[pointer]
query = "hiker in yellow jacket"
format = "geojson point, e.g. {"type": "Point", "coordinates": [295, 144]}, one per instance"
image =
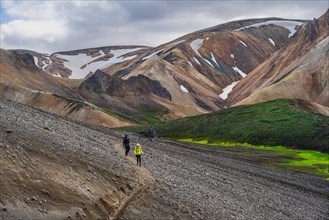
{"type": "Point", "coordinates": [138, 152]}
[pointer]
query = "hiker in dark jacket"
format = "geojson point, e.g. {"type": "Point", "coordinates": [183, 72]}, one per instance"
{"type": "Point", "coordinates": [125, 143]}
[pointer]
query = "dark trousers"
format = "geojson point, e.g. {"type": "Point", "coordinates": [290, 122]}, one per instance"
{"type": "Point", "coordinates": [127, 150]}
{"type": "Point", "coordinates": [139, 159]}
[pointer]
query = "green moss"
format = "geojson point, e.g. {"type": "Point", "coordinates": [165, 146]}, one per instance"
{"type": "Point", "coordinates": [275, 133]}
{"type": "Point", "coordinates": [273, 123]}
{"type": "Point", "coordinates": [118, 115]}
{"type": "Point", "coordinates": [304, 161]}
{"type": "Point", "coordinates": [150, 115]}
{"type": "Point", "coordinates": [220, 143]}
{"type": "Point", "coordinates": [310, 158]}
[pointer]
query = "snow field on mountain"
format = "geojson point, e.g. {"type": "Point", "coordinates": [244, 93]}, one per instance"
{"type": "Point", "coordinates": [152, 54]}
{"type": "Point", "coordinates": [196, 45]}
{"type": "Point", "coordinates": [243, 43]}
{"type": "Point", "coordinates": [117, 58]}
{"type": "Point", "coordinates": [213, 59]}
{"type": "Point", "coordinates": [76, 62]}
{"type": "Point", "coordinates": [228, 89]}
{"type": "Point", "coordinates": [196, 60]}
{"type": "Point", "coordinates": [183, 88]}
{"type": "Point", "coordinates": [36, 61]}
{"type": "Point", "coordinates": [290, 25]}
{"type": "Point", "coordinates": [272, 41]}
{"type": "Point", "coordinates": [44, 66]}
{"type": "Point", "coordinates": [236, 69]}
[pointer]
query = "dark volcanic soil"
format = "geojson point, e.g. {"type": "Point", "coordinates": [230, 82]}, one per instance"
{"type": "Point", "coordinates": [54, 168]}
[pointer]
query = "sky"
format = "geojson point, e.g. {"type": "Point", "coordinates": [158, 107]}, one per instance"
{"type": "Point", "coordinates": [59, 25]}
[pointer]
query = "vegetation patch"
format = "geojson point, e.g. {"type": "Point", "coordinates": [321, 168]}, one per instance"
{"type": "Point", "coordinates": [150, 115]}
{"type": "Point", "coordinates": [273, 123]}
{"type": "Point", "coordinates": [304, 161]}
{"type": "Point", "coordinates": [118, 114]}
{"type": "Point", "coordinates": [276, 134]}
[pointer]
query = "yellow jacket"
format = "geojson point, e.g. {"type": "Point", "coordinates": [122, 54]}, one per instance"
{"type": "Point", "coordinates": [138, 150]}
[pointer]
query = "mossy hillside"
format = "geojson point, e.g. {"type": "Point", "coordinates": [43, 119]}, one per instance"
{"type": "Point", "coordinates": [274, 123]}
{"type": "Point", "coordinates": [278, 157]}
{"type": "Point", "coordinates": [150, 115]}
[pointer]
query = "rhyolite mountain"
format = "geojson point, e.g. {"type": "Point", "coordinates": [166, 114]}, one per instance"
{"type": "Point", "coordinates": [197, 73]}
{"type": "Point", "coordinates": [298, 70]}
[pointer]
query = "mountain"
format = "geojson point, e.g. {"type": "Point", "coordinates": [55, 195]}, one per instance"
{"type": "Point", "coordinates": [194, 69]}
{"type": "Point", "coordinates": [22, 81]}
{"type": "Point", "coordinates": [18, 68]}
{"type": "Point", "coordinates": [298, 70]}
{"type": "Point", "coordinates": [197, 68]}
{"type": "Point", "coordinates": [198, 73]}
{"type": "Point", "coordinates": [77, 64]}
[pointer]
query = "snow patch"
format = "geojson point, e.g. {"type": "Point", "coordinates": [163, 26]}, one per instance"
{"type": "Point", "coordinates": [196, 44]}
{"type": "Point", "coordinates": [213, 59]}
{"type": "Point", "coordinates": [272, 41]}
{"type": "Point", "coordinates": [58, 75]}
{"type": "Point", "coordinates": [243, 43]}
{"type": "Point", "coordinates": [290, 25]}
{"type": "Point", "coordinates": [178, 42]}
{"type": "Point", "coordinates": [207, 61]}
{"type": "Point", "coordinates": [227, 90]}
{"type": "Point", "coordinates": [36, 61]}
{"type": "Point", "coordinates": [45, 64]}
{"type": "Point", "coordinates": [190, 63]}
{"type": "Point", "coordinates": [196, 60]}
{"type": "Point", "coordinates": [81, 64]}
{"type": "Point", "coordinates": [151, 55]}
{"type": "Point", "coordinates": [236, 69]}
{"type": "Point", "coordinates": [183, 88]}
{"type": "Point", "coordinates": [118, 56]}
{"type": "Point", "coordinates": [232, 55]}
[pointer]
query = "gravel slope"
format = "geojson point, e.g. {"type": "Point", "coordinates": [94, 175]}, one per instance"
{"type": "Point", "coordinates": [207, 185]}
{"type": "Point", "coordinates": [176, 181]}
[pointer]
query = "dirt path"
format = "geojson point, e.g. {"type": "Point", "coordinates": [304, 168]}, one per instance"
{"type": "Point", "coordinates": [202, 184]}
{"type": "Point", "coordinates": [54, 168]}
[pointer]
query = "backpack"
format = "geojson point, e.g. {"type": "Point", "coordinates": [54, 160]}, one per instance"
{"type": "Point", "coordinates": [126, 141]}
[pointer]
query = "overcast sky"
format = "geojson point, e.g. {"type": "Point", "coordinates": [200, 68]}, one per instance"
{"type": "Point", "coordinates": [55, 25]}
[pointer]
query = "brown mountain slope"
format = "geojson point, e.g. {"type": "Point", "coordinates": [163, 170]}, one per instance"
{"type": "Point", "coordinates": [21, 81]}
{"type": "Point", "coordinates": [187, 76]}
{"type": "Point", "coordinates": [196, 68]}
{"type": "Point", "coordinates": [300, 70]}
{"type": "Point", "coordinates": [19, 68]}
{"type": "Point", "coordinates": [74, 109]}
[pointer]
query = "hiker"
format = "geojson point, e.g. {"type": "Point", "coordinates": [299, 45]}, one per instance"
{"type": "Point", "coordinates": [125, 143]}
{"type": "Point", "coordinates": [138, 152]}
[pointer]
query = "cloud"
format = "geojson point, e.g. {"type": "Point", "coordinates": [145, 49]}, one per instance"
{"type": "Point", "coordinates": [48, 30]}
{"type": "Point", "coordinates": [54, 25]}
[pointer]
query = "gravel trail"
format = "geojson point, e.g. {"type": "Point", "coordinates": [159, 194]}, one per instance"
{"type": "Point", "coordinates": [176, 180]}
{"type": "Point", "coordinates": [211, 186]}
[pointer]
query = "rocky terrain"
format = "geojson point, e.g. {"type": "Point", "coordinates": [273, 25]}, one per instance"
{"type": "Point", "coordinates": [190, 75]}
{"type": "Point", "coordinates": [56, 168]}
{"type": "Point", "coordinates": [239, 62]}
{"type": "Point", "coordinates": [298, 70]}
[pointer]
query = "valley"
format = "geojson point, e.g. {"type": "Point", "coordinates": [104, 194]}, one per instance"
{"type": "Point", "coordinates": [233, 120]}
{"type": "Point", "coordinates": [55, 168]}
